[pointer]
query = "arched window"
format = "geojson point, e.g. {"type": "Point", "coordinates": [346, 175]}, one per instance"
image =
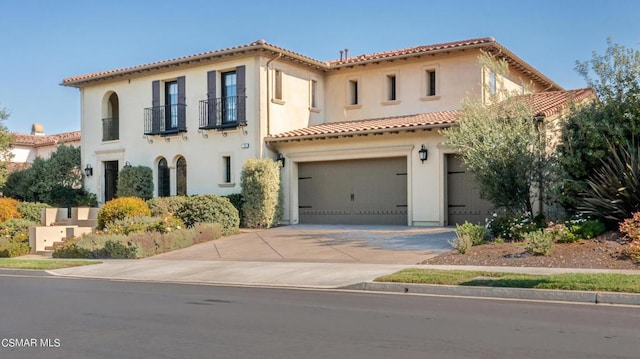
{"type": "Point", "coordinates": [181, 177]}
{"type": "Point", "coordinates": [164, 189]}
{"type": "Point", "coordinates": [110, 124]}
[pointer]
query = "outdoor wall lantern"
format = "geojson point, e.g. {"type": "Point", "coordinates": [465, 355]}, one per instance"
{"type": "Point", "coordinates": [423, 152]}
{"type": "Point", "coordinates": [88, 171]}
{"type": "Point", "coordinates": [280, 158]}
{"type": "Point", "coordinates": [127, 164]}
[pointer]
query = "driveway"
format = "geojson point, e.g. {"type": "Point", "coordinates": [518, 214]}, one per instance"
{"type": "Point", "coordinates": [324, 244]}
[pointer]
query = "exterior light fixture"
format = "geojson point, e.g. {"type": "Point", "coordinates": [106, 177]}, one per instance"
{"type": "Point", "coordinates": [423, 153]}
{"type": "Point", "coordinates": [127, 164]}
{"type": "Point", "coordinates": [280, 159]}
{"type": "Point", "coordinates": [88, 171]}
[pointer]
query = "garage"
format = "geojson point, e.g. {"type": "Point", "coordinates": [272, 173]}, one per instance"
{"type": "Point", "coordinates": [363, 191]}
{"type": "Point", "coordinates": [463, 196]}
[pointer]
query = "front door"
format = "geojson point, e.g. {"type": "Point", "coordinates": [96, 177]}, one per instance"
{"type": "Point", "coordinates": [110, 180]}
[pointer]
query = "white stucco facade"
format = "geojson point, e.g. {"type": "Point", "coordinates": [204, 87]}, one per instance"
{"type": "Point", "coordinates": [288, 93]}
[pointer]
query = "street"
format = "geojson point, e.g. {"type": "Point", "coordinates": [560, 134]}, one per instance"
{"type": "Point", "coordinates": [78, 318]}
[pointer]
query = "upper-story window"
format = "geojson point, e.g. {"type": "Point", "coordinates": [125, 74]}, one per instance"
{"type": "Point", "coordinates": [353, 93]}
{"type": "Point", "coordinates": [391, 88]}
{"type": "Point", "coordinates": [225, 106]}
{"type": "Point", "coordinates": [431, 82]}
{"type": "Point", "coordinates": [492, 82]}
{"type": "Point", "coordinates": [171, 104]}
{"type": "Point", "coordinates": [167, 115]}
{"type": "Point", "coordinates": [110, 120]}
{"type": "Point", "coordinates": [314, 94]}
{"type": "Point", "coordinates": [278, 85]}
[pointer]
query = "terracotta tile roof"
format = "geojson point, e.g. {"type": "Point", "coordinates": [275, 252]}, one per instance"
{"type": "Point", "coordinates": [377, 125]}
{"type": "Point", "coordinates": [486, 43]}
{"type": "Point", "coordinates": [77, 81]}
{"type": "Point", "coordinates": [553, 102]}
{"type": "Point", "coordinates": [45, 140]}
{"type": "Point", "coordinates": [544, 103]}
{"type": "Point", "coordinates": [413, 51]}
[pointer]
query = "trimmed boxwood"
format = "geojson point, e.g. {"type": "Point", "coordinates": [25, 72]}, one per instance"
{"type": "Point", "coordinates": [209, 208]}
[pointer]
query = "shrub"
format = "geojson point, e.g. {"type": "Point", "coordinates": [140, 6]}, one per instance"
{"type": "Point", "coordinates": [237, 201]}
{"type": "Point", "coordinates": [630, 227]}
{"type": "Point", "coordinates": [135, 182]}
{"type": "Point", "coordinates": [16, 230]}
{"type": "Point", "coordinates": [261, 193]}
{"type": "Point", "coordinates": [476, 232]}
{"type": "Point", "coordinates": [560, 233]}
{"type": "Point", "coordinates": [539, 243]}
{"type": "Point", "coordinates": [8, 209]}
{"type": "Point", "coordinates": [121, 208]}
{"type": "Point", "coordinates": [163, 206]}
{"type": "Point", "coordinates": [613, 189]}
{"type": "Point", "coordinates": [31, 210]}
{"type": "Point", "coordinates": [61, 196]}
{"type": "Point", "coordinates": [588, 229]}
{"type": "Point", "coordinates": [462, 243]}
{"type": "Point", "coordinates": [513, 226]}
{"type": "Point", "coordinates": [209, 209]}
{"type": "Point", "coordinates": [143, 224]}
{"type": "Point", "coordinates": [204, 232]}
{"type": "Point", "coordinates": [13, 249]}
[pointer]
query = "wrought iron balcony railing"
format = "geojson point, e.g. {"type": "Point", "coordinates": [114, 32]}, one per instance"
{"type": "Point", "coordinates": [110, 129]}
{"type": "Point", "coordinates": [165, 120]}
{"type": "Point", "coordinates": [223, 112]}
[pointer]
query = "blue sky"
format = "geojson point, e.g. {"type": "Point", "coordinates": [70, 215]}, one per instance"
{"type": "Point", "coordinates": [45, 41]}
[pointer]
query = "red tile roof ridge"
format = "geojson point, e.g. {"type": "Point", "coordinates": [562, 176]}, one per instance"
{"type": "Point", "coordinates": [44, 140]}
{"type": "Point", "coordinates": [413, 49]}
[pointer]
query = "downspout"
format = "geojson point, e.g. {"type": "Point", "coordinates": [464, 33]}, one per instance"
{"type": "Point", "coordinates": [269, 97]}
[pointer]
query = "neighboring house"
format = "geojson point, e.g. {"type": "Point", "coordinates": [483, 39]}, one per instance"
{"type": "Point", "coordinates": [358, 136]}
{"type": "Point", "coordinates": [26, 147]}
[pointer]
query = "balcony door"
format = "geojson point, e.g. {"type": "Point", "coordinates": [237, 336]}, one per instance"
{"type": "Point", "coordinates": [171, 105]}
{"type": "Point", "coordinates": [229, 97]}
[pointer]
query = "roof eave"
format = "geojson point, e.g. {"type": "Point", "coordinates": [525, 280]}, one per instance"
{"type": "Point", "coordinates": [357, 133]}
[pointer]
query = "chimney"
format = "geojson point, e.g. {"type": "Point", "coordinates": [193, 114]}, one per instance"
{"type": "Point", "coordinates": [341, 52]}
{"type": "Point", "coordinates": [346, 54]}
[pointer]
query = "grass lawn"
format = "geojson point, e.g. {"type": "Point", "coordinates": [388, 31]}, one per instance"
{"type": "Point", "coordinates": [574, 281]}
{"type": "Point", "coordinates": [42, 264]}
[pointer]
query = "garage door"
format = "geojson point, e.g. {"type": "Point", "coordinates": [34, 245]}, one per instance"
{"type": "Point", "coordinates": [370, 191]}
{"type": "Point", "coordinates": [463, 196]}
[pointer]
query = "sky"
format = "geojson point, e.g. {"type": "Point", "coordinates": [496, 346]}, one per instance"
{"type": "Point", "coordinates": [43, 42]}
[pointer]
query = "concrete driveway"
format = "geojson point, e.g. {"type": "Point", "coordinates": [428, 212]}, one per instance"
{"type": "Point", "coordinates": [325, 244]}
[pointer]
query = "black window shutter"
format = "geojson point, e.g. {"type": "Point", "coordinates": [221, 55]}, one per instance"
{"type": "Point", "coordinates": [242, 89]}
{"type": "Point", "coordinates": [211, 99]}
{"type": "Point", "coordinates": [155, 104]}
{"type": "Point", "coordinates": [182, 100]}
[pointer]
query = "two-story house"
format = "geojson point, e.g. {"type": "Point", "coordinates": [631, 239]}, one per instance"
{"type": "Point", "coordinates": [357, 137]}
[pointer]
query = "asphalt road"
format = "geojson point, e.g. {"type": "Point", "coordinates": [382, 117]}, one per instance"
{"type": "Point", "coordinates": [77, 318]}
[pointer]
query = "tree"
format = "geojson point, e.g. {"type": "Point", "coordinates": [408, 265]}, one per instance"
{"type": "Point", "coordinates": [135, 182]}
{"type": "Point", "coordinates": [55, 181]}
{"type": "Point", "coordinates": [500, 144]}
{"type": "Point", "coordinates": [591, 131]}
{"type": "Point", "coordinates": [6, 139]}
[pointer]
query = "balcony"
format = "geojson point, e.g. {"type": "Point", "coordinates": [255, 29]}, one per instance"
{"type": "Point", "coordinates": [165, 120]}
{"type": "Point", "coordinates": [110, 129]}
{"type": "Point", "coordinates": [223, 112]}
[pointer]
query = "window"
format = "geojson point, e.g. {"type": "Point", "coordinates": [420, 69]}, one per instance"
{"type": "Point", "coordinates": [314, 94]}
{"type": "Point", "coordinates": [226, 162]}
{"type": "Point", "coordinates": [229, 97]}
{"type": "Point", "coordinates": [163, 179]}
{"type": "Point", "coordinates": [110, 126]}
{"type": "Point", "coordinates": [181, 177]}
{"type": "Point", "coordinates": [431, 82]}
{"type": "Point", "coordinates": [353, 92]}
{"type": "Point", "coordinates": [391, 88]}
{"type": "Point", "coordinates": [171, 104]}
{"type": "Point", "coordinates": [278, 85]}
{"type": "Point", "coordinates": [492, 82]}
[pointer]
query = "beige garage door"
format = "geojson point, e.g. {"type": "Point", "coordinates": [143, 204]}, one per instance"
{"type": "Point", "coordinates": [370, 191]}
{"type": "Point", "coordinates": [463, 196]}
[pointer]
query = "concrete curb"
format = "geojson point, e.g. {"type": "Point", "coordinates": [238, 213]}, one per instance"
{"type": "Point", "coordinates": [508, 293]}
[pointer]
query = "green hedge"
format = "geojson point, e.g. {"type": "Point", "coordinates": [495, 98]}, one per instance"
{"type": "Point", "coordinates": [31, 210]}
{"type": "Point", "coordinates": [261, 193]}
{"type": "Point", "coordinates": [209, 208]}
